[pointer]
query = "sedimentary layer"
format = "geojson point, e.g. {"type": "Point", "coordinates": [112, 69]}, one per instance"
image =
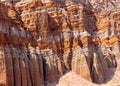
{"type": "Point", "coordinates": [43, 39]}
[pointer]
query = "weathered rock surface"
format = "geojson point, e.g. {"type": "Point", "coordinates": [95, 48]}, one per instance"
{"type": "Point", "coordinates": [41, 40]}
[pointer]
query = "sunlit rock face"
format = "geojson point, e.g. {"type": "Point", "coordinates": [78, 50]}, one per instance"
{"type": "Point", "coordinates": [41, 40]}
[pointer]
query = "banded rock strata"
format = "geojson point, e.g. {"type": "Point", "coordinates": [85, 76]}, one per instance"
{"type": "Point", "coordinates": [43, 39]}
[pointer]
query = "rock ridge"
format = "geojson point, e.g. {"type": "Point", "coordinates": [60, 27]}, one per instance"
{"type": "Point", "coordinates": [41, 40]}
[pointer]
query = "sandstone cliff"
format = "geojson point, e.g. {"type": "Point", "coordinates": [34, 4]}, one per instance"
{"type": "Point", "coordinates": [41, 40]}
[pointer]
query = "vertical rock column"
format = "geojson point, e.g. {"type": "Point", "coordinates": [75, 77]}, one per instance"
{"type": "Point", "coordinates": [9, 66]}
{"type": "Point", "coordinates": [3, 78]}
{"type": "Point", "coordinates": [16, 66]}
{"type": "Point", "coordinates": [81, 60]}
{"type": "Point", "coordinates": [22, 67]}
{"type": "Point", "coordinates": [40, 63]}
{"type": "Point", "coordinates": [35, 67]}
{"type": "Point", "coordinates": [26, 60]}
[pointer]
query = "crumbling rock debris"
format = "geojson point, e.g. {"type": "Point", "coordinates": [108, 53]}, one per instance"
{"type": "Point", "coordinates": [41, 40]}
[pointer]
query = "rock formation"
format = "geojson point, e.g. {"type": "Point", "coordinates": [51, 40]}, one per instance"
{"type": "Point", "coordinates": [41, 40]}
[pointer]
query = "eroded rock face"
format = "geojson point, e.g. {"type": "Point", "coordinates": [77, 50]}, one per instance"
{"type": "Point", "coordinates": [41, 40]}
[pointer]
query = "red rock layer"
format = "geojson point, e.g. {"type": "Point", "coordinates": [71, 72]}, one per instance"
{"type": "Point", "coordinates": [41, 40]}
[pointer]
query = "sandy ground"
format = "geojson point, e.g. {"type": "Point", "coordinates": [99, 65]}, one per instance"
{"type": "Point", "coordinates": [71, 79]}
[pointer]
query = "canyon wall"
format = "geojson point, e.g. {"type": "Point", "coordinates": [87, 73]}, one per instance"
{"type": "Point", "coordinates": [42, 40]}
